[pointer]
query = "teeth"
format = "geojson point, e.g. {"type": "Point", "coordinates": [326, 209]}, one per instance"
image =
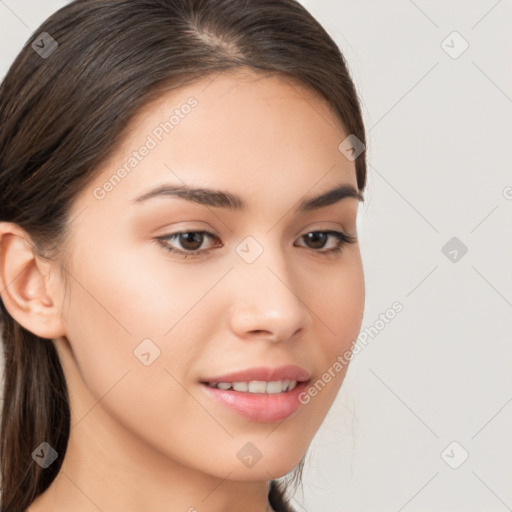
{"type": "Point", "coordinates": [240, 386]}
{"type": "Point", "coordinates": [257, 386]}
{"type": "Point", "coordinates": [275, 387]}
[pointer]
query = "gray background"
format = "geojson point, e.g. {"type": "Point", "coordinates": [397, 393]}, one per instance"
{"type": "Point", "coordinates": [439, 138]}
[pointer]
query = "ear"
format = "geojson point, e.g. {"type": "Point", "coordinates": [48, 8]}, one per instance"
{"type": "Point", "coordinates": [27, 292]}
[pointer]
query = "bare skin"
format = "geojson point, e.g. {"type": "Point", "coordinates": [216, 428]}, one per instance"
{"type": "Point", "coordinates": [149, 437]}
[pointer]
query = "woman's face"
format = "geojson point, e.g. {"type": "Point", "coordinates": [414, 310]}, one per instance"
{"type": "Point", "coordinates": [147, 329]}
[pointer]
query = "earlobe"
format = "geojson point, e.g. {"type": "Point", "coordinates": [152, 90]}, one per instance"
{"type": "Point", "coordinates": [24, 285]}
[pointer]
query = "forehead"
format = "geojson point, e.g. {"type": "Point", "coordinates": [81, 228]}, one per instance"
{"type": "Point", "coordinates": [239, 130]}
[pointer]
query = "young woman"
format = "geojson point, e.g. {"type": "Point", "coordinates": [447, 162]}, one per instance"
{"type": "Point", "coordinates": [180, 276]}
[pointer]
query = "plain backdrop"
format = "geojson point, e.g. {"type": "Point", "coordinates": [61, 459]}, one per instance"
{"type": "Point", "coordinates": [424, 418]}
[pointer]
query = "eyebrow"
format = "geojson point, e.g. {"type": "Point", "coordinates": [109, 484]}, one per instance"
{"type": "Point", "coordinates": [224, 199]}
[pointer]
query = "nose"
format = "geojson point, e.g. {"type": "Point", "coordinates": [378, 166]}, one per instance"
{"type": "Point", "coordinates": [267, 299]}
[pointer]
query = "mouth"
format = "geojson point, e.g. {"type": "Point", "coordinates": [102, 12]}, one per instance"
{"type": "Point", "coordinates": [259, 394]}
{"type": "Point", "coordinates": [256, 386]}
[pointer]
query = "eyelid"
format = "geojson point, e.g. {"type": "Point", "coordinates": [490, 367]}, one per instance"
{"type": "Point", "coordinates": [342, 236]}
{"type": "Point", "coordinates": [163, 238]}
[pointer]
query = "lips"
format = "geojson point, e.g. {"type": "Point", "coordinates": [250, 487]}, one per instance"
{"type": "Point", "coordinates": [263, 373]}
{"type": "Point", "coordinates": [260, 394]}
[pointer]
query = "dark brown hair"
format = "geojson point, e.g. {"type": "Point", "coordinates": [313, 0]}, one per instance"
{"type": "Point", "coordinates": [64, 113]}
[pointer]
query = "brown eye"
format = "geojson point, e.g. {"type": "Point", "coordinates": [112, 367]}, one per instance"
{"type": "Point", "coordinates": [316, 240]}
{"type": "Point", "coordinates": [189, 242]}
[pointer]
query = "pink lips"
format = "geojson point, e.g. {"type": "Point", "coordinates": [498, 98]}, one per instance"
{"type": "Point", "coordinates": [261, 407]}
{"type": "Point", "coordinates": [289, 372]}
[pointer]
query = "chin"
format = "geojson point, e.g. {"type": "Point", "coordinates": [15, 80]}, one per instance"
{"type": "Point", "coordinates": [269, 471]}
{"type": "Point", "coordinates": [263, 459]}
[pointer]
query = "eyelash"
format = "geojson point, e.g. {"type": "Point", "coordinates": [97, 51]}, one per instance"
{"type": "Point", "coordinates": [343, 239]}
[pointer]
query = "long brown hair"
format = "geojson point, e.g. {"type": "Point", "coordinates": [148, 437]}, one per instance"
{"type": "Point", "coordinates": [63, 112]}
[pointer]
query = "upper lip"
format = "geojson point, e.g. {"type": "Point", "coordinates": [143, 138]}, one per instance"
{"type": "Point", "coordinates": [263, 373]}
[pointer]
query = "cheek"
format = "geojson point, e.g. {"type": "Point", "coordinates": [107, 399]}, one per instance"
{"type": "Point", "coordinates": [340, 307]}
{"type": "Point", "coordinates": [115, 305]}
{"type": "Point", "coordinates": [110, 312]}
{"type": "Point", "coordinates": [128, 294]}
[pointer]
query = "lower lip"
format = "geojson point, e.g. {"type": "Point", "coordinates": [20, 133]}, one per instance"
{"type": "Point", "coordinates": [262, 407]}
